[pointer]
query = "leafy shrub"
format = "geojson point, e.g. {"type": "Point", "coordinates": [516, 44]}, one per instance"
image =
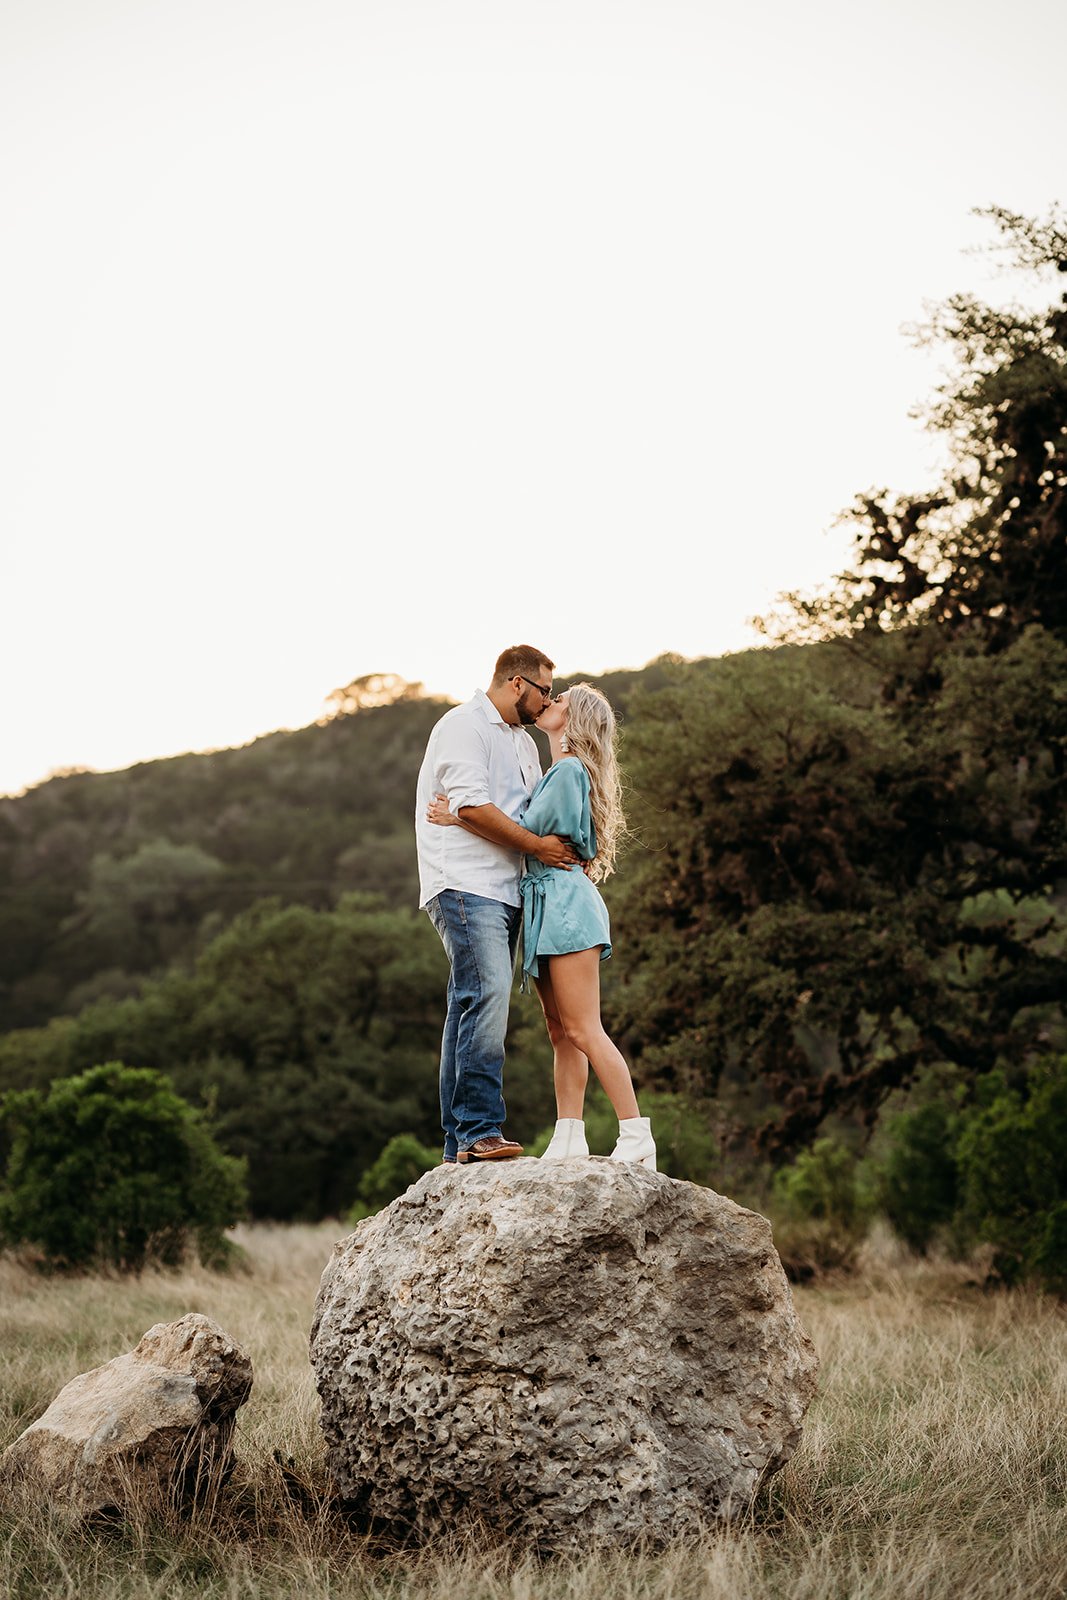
{"type": "Point", "coordinates": [820, 1208]}
{"type": "Point", "coordinates": [402, 1163]}
{"type": "Point", "coordinates": [822, 1183]}
{"type": "Point", "coordinates": [918, 1177]}
{"type": "Point", "coordinates": [1013, 1177]}
{"type": "Point", "coordinates": [113, 1167]}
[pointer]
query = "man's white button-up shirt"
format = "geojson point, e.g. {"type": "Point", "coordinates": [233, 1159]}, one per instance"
{"type": "Point", "coordinates": [475, 758]}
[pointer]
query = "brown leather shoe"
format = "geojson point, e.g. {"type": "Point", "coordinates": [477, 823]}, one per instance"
{"type": "Point", "coordinates": [492, 1148]}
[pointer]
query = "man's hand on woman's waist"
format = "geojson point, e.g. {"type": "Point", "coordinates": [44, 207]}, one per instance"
{"type": "Point", "coordinates": [552, 850]}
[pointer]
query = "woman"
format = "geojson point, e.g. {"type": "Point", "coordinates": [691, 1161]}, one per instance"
{"type": "Point", "coordinates": [566, 933]}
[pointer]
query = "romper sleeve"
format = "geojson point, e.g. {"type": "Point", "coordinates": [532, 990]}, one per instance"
{"type": "Point", "coordinates": [561, 805]}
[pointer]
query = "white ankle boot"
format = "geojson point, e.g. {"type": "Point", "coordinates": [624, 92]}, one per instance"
{"type": "Point", "coordinates": [635, 1143]}
{"type": "Point", "coordinates": [567, 1141]}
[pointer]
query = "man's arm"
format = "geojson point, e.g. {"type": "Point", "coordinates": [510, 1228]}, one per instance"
{"type": "Point", "coordinates": [491, 823]}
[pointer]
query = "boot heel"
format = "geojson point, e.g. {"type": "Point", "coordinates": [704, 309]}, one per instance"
{"type": "Point", "coordinates": [635, 1143]}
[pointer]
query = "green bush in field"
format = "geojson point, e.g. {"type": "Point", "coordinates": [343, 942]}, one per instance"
{"type": "Point", "coordinates": [918, 1176]}
{"type": "Point", "coordinates": [823, 1182]}
{"type": "Point", "coordinates": [820, 1209]}
{"type": "Point", "coordinates": [402, 1162]}
{"type": "Point", "coordinates": [113, 1167]}
{"type": "Point", "coordinates": [1013, 1175]}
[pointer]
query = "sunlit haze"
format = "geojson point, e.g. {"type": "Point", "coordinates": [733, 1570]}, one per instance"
{"type": "Point", "coordinates": [375, 336]}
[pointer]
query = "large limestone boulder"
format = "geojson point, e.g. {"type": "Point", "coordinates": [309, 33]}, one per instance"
{"type": "Point", "coordinates": [566, 1350]}
{"type": "Point", "coordinates": [151, 1427]}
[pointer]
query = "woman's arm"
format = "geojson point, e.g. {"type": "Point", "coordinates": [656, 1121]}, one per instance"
{"type": "Point", "coordinates": [438, 813]}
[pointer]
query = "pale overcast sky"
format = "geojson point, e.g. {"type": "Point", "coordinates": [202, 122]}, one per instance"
{"type": "Point", "coordinates": [372, 336]}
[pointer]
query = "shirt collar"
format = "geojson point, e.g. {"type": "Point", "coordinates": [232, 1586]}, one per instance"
{"type": "Point", "coordinates": [490, 712]}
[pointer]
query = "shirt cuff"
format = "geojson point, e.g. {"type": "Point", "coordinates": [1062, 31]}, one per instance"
{"type": "Point", "coordinates": [466, 797]}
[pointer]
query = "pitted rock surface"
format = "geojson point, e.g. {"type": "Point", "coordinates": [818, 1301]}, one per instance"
{"type": "Point", "coordinates": [152, 1425]}
{"type": "Point", "coordinates": [567, 1350]}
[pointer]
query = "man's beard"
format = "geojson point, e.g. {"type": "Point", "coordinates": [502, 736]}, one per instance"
{"type": "Point", "coordinates": [527, 718]}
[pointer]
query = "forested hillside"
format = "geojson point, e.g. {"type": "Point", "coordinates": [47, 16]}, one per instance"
{"type": "Point", "coordinates": [847, 878]}
{"type": "Point", "coordinates": [108, 878]}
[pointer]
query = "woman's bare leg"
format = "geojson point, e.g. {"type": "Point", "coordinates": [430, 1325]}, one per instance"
{"type": "Point", "coordinates": [575, 989]}
{"type": "Point", "coordinates": [570, 1067]}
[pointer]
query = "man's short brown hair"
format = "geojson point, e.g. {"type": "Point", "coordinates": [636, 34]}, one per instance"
{"type": "Point", "coordinates": [520, 661]}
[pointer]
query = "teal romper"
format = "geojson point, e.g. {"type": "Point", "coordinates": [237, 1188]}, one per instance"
{"type": "Point", "coordinates": [561, 911]}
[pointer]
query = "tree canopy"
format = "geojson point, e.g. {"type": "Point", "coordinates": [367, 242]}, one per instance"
{"type": "Point", "coordinates": [982, 553]}
{"type": "Point", "coordinates": [860, 845]}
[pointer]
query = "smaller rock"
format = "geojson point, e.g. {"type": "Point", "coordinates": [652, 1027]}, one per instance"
{"type": "Point", "coordinates": [152, 1427]}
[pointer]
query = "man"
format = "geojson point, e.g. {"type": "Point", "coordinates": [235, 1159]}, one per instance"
{"type": "Point", "coordinates": [481, 758]}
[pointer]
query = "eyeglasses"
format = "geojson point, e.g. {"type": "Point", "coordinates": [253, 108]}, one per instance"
{"type": "Point", "coordinates": [546, 694]}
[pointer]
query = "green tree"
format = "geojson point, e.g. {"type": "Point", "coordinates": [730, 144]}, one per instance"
{"type": "Point", "coordinates": [139, 909]}
{"type": "Point", "coordinates": [821, 1206]}
{"type": "Point", "coordinates": [124, 870]}
{"type": "Point", "coordinates": [1013, 1178]}
{"type": "Point", "coordinates": [313, 1035]}
{"type": "Point", "coordinates": [983, 555]}
{"type": "Point", "coordinates": [857, 847]}
{"type": "Point", "coordinates": [824, 1182]}
{"type": "Point", "coordinates": [113, 1167]}
{"type": "Point", "coordinates": [318, 1033]}
{"type": "Point", "coordinates": [918, 1175]}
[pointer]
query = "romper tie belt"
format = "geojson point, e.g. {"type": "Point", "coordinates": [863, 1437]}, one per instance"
{"type": "Point", "coordinates": [532, 890]}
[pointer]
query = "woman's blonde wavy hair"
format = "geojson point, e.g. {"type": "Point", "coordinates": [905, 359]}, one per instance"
{"type": "Point", "coordinates": [590, 734]}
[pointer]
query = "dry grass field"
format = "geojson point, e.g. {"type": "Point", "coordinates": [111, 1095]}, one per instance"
{"type": "Point", "coordinates": [934, 1461]}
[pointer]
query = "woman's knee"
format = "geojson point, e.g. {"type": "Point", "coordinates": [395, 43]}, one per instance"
{"type": "Point", "coordinates": [557, 1033]}
{"type": "Point", "coordinates": [584, 1036]}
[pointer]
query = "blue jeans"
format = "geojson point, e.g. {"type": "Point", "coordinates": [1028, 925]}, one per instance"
{"type": "Point", "coordinates": [480, 937]}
